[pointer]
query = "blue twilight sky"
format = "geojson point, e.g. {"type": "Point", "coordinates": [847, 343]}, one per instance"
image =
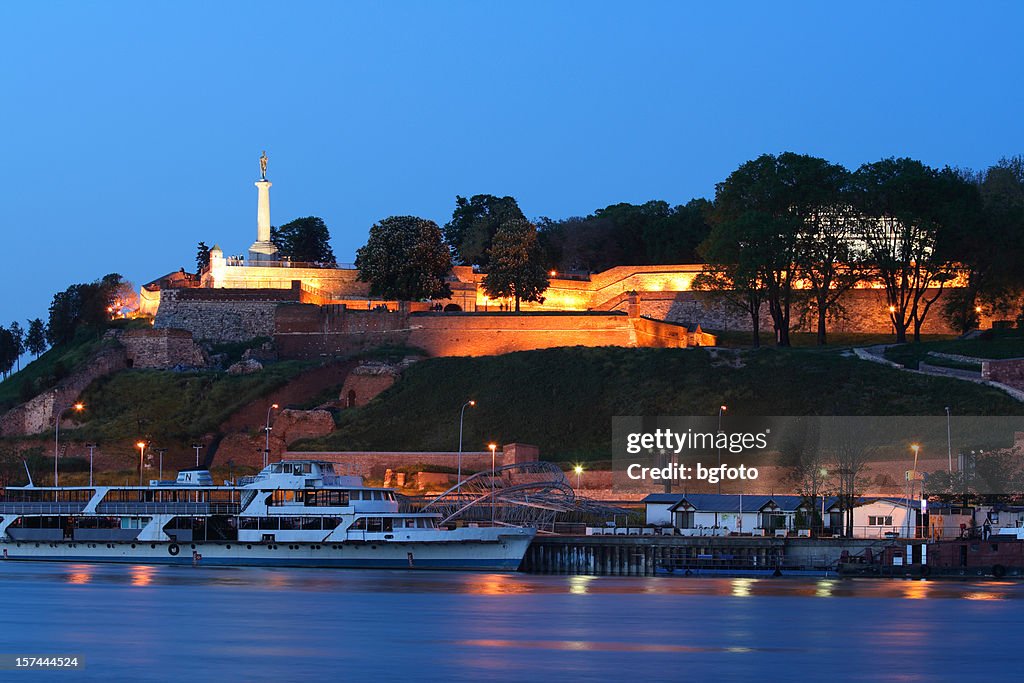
{"type": "Point", "coordinates": [129, 131]}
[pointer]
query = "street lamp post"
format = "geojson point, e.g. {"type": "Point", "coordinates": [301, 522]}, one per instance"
{"type": "Point", "coordinates": [949, 438]}
{"type": "Point", "coordinates": [197, 446]}
{"type": "Point", "coordinates": [56, 436]}
{"type": "Point", "coordinates": [141, 445]}
{"type": "Point", "coordinates": [161, 451]}
{"type": "Point", "coordinates": [721, 411]}
{"type": "Point", "coordinates": [493, 447]}
{"type": "Point", "coordinates": [579, 471]}
{"type": "Point", "coordinates": [462, 414]}
{"type": "Point", "coordinates": [913, 478]}
{"type": "Point", "coordinates": [266, 448]}
{"type": "Point", "coordinates": [92, 448]}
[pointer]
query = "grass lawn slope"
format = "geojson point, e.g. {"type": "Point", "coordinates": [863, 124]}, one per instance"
{"type": "Point", "coordinates": [563, 399]}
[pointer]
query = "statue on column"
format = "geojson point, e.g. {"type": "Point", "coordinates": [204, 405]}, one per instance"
{"type": "Point", "coordinates": [263, 165]}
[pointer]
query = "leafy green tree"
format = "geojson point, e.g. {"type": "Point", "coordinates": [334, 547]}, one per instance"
{"type": "Point", "coordinates": [516, 264]}
{"type": "Point", "coordinates": [474, 224]}
{"type": "Point", "coordinates": [735, 257]}
{"type": "Point", "coordinates": [85, 305]}
{"type": "Point", "coordinates": [203, 258]}
{"type": "Point", "coordinates": [35, 339]}
{"type": "Point", "coordinates": [904, 208]}
{"type": "Point", "coordinates": [8, 351]}
{"type": "Point", "coordinates": [987, 240]}
{"type": "Point", "coordinates": [636, 234]}
{"type": "Point", "coordinates": [675, 238]}
{"type": "Point", "coordinates": [19, 340]}
{"type": "Point", "coordinates": [826, 258]}
{"type": "Point", "coordinates": [755, 207]}
{"type": "Point", "coordinates": [306, 240]}
{"type": "Point", "coordinates": [405, 258]}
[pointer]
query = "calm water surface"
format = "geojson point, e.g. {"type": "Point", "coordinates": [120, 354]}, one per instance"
{"type": "Point", "coordinates": [251, 624]}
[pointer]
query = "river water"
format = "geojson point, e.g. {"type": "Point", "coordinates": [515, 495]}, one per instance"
{"type": "Point", "coordinates": [155, 623]}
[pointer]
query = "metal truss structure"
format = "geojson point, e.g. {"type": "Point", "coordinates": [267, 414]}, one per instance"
{"type": "Point", "coordinates": [521, 494]}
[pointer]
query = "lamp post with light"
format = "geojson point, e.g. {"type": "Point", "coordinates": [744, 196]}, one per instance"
{"type": "Point", "coordinates": [913, 478]}
{"type": "Point", "coordinates": [197, 446]}
{"type": "Point", "coordinates": [721, 411]}
{"type": "Point", "coordinates": [161, 452]}
{"type": "Point", "coordinates": [578, 469]}
{"type": "Point", "coordinates": [92, 448]}
{"type": "Point", "coordinates": [56, 435]}
{"type": "Point", "coordinates": [949, 438]}
{"type": "Point", "coordinates": [266, 447]}
{"type": "Point", "coordinates": [493, 447]}
{"type": "Point", "coordinates": [141, 445]}
{"type": "Point", "coordinates": [462, 414]}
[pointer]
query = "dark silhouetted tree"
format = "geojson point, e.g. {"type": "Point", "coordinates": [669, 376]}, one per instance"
{"type": "Point", "coordinates": [474, 223]}
{"type": "Point", "coordinates": [405, 258]}
{"type": "Point", "coordinates": [903, 207]}
{"type": "Point", "coordinates": [203, 258]}
{"type": "Point", "coordinates": [304, 239]}
{"type": "Point", "coordinates": [35, 339]}
{"type": "Point", "coordinates": [516, 264]}
{"type": "Point", "coordinates": [19, 339]}
{"type": "Point", "coordinates": [85, 305]}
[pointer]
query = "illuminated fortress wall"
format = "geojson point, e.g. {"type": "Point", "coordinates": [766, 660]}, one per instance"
{"type": "Point", "coordinates": [247, 309]}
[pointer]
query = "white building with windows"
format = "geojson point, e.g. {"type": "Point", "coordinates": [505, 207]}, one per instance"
{"type": "Point", "coordinates": [710, 514]}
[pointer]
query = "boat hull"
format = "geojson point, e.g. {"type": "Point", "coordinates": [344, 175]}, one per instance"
{"type": "Point", "coordinates": [503, 554]}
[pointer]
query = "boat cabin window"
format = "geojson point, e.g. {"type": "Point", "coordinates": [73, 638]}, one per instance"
{"type": "Point", "coordinates": [310, 497]}
{"type": "Point", "coordinates": [299, 468]}
{"type": "Point", "coordinates": [373, 495]}
{"type": "Point", "coordinates": [415, 523]}
{"type": "Point", "coordinates": [288, 523]}
{"type": "Point", "coordinates": [325, 498]}
{"type": "Point", "coordinates": [37, 496]}
{"type": "Point", "coordinates": [373, 524]}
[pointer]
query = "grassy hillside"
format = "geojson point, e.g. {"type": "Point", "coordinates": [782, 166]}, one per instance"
{"type": "Point", "coordinates": [172, 407]}
{"type": "Point", "coordinates": [44, 372]}
{"type": "Point", "coordinates": [993, 344]}
{"type": "Point", "coordinates": [564, 399]}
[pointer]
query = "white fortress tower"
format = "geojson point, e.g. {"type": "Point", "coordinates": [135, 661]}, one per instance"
{"type": "Point", "coordinates": [263, 249]}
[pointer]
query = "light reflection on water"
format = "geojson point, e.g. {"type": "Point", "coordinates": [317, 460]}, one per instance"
{"type": "Point", "coordinates": [478, 583]}
{"type": "Point", "coordinates": [283, 624]}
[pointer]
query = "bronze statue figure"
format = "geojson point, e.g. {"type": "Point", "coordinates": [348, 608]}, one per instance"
{"type": "Point", "coordinates": [263, 165]}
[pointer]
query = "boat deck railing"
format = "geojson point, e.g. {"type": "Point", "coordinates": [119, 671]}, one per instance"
{"type": "Point", "coordinates": [168, 508]}
{"type": "Point", "coordinates": [41, 508]}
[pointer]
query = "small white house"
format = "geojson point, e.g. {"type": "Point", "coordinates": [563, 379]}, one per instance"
{"type": "Point", "coordinates": [903, 518]}
{"type": "Point", "coordinates": [708, 514]}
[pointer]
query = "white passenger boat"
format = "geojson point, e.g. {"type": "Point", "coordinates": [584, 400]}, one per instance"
{"type": "Point", "coordinates": [295, 513]}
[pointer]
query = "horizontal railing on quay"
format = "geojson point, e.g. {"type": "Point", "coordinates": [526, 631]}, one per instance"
{"type": "Point", "coordinates": [858, 532]}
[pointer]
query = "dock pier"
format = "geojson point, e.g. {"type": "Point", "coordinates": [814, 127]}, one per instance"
{"type": "Point", "coordinates": [606, 555]}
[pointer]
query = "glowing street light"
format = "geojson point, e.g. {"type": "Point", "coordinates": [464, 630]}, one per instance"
{"type": "Point", "coordinates": [141, 445]}
{"type": "Point", "coordinates": [913, 478]}
{"type": "Point", "coordinates": [266, 448]}
{"type": "Point", "coordinates": [721, 411]}
{"type": "Point", "coordinates": [462, 414]}
{"type": "Point", "coordinates": [578, 469]}
{"type": "Point", "coordinates": [78, 407]}
{"type": "Point", "coordinates": [553, 273]}
{"type": "Point", "coordinates": [493, 447]}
